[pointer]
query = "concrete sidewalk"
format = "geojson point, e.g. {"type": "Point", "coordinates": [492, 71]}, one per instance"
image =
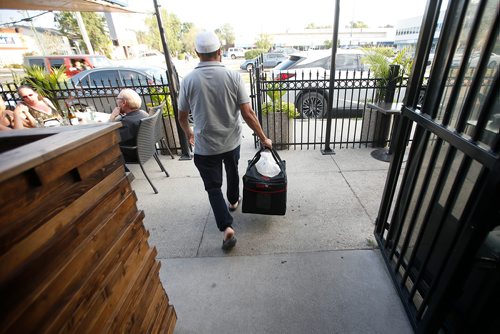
{"type": "Point", "coordinates": [314, 270]}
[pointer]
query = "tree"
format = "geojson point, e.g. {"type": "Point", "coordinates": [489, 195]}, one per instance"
{"type": "Point", "coordinates": [142, 37]}
{"type": "Point", "coordinates": [96, 29]}
{"type": "Point", "coordinates": [314, 26]}
{"type": "Point", "coordinates": [173, 31]}
{"type": "Point", "coordinates": [188, 38]}
{"type": "Point", "coordinates": [264, 42]}
{"type": "Point", "coordinates": [52, 44]}
{"type": "Point", "coordinates": [359, 24]}
{"type": "Point", "coordinates": [226, 35]}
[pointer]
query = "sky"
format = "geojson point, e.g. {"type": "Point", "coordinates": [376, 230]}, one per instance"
{"type": "Point", "coordinates": [259, 16]}
{"type": "Point", "coordinates": [254, 17]}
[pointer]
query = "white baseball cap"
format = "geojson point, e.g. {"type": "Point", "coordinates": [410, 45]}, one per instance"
{"type": "Point", "coordinates": [206, 42]}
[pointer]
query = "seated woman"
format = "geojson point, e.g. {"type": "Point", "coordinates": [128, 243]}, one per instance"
{"type": "Point", "coordinates": [9, 120]}
{"type": "Point", "coordinates": [38, 111]}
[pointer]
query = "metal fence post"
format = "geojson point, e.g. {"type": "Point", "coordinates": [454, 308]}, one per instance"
{"type": "Point", "coordinates": [327, 150]}
{"type": "Point", "coordinates": [389, 92]}
{"type": "Point", "coordinates": [258, 92]}
{"type": "Point", "coordinates": [172, 82]}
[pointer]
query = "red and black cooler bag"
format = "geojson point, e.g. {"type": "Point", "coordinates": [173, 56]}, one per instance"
{"type": "Point", "coordinates": [261, 194]}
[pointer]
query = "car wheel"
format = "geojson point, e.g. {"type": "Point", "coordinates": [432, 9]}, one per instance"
{"type": "Point", "coordinates": [312, 105]}
{"type": "Point", "coordinates": [233, 56]}
{"type": "Point", "coordinates": [249, 67]}
{"type": "Point", "coordinates": [492, 64]}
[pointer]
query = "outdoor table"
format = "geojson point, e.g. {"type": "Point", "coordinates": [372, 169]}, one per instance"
{"type": "Point", "coordinates": [94, 117]}
{"type": "Point", "coordinates": [388, 110]}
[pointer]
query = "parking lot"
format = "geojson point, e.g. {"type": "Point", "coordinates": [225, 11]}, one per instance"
{"type": "Point", "coordinates": [184, 67]}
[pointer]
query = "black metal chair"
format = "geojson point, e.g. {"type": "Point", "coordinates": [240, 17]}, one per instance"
{"type": "Point", "coordinates": [145, 146]}
{"type": "Point", "coordinates": [161, 143]}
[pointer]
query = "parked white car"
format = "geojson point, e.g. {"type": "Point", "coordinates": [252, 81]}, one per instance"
{"type": "Point", "coordinates": [313, 67]}
{"type": "Point", "coordinates": [234, 53]}
{"type": "Point", "coordinates": [493, 60]}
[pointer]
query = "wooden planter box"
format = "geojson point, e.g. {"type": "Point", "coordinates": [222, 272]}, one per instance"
{"type": "Point", "coordinates": [171, 134]}
{"type": "Point", "coordinates": [276, 126]}
{"type": "Point", "coordinates": [74, 254]}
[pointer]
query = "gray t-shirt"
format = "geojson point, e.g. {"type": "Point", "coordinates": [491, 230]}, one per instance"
{"type": "Point", "coordinates": [214, 94]}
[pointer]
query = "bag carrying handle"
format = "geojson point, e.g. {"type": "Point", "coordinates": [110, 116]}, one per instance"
{"type": "Point", "coordinates": [275, 155]}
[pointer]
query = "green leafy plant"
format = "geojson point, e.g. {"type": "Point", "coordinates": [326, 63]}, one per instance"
{"type": "Point", "coordinates": [276, 104]}
{"type": "Point", "coordinates": [380, 61]}
{"type": "Point", "coordinates": [405, 60]}
{"type": "Point", "coordinates": [160, 95]}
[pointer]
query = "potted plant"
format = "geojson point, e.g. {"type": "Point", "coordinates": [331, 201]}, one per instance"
{"type": "Point", "coordinates": [388, 68]}
{"type": "Point", "coordinates": [380, 61]}
{"type": "Point", "coordinates": [276, 116]}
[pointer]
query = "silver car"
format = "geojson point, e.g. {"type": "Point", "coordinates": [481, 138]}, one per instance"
{"type": "Point", "coordinates": [269, 60]}
{"type": "Point", "coordinates": [97, 88]}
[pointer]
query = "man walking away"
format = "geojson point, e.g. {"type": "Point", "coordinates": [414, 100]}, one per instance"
{"type": "Point", "coordinates": [217, 98]}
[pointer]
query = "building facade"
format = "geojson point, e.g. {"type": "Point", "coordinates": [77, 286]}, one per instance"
{"type": "Point", "coordinates": [18, 41]}
{"type": "Point", "coordinates": [306, 39]}
{"type": "Point", "coordinates": [407, 32]}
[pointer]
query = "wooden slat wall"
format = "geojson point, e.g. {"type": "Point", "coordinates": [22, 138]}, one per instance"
{"type": "Point", "coordinates": [74, 255]}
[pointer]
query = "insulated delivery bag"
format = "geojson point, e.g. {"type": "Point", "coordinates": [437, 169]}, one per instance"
{"type": "Point", "coordinates": [264, 191]}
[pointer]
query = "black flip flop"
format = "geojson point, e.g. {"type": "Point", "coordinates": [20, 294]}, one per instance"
{"type": "Point", "coordinates": [229, 243]}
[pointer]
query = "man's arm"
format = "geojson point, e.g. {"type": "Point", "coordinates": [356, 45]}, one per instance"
{"type": "Point", "coordinates": [253, 122]}
{"type": "Point", "coordinates": [184, 122]}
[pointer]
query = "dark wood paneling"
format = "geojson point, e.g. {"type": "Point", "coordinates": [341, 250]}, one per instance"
{"type": "Point", "coordinates": [74, 253]}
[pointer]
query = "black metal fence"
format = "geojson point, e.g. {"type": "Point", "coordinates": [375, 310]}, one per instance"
{"type": "Point", "coordinates": [101, 96]}
{"type": "Point", "coordinates": [294, 113]}
{"type": "Point", "coordinates": [438, 225]}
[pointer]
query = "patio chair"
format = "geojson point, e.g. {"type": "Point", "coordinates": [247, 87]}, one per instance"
{"type": "Point", "coordinates": [145, 145]}
{"type": "Point", "coordinates": [161, 143]}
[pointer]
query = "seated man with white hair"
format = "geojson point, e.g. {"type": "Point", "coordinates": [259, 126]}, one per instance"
{"type": "Point", "coordinates": [129, 113]}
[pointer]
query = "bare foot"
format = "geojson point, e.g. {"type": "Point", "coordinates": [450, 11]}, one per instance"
{"type": "Point", "coordinates": [228, 233]}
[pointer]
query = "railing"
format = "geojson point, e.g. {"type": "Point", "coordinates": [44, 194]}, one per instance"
{"type": "Point", "coordinates": [353, 123]}
{"type": "Point", "coordinates": [101, 96]}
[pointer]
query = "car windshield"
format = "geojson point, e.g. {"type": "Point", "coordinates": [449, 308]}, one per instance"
{"type": "Point", "coordinates": [157, 73]}
{"type": "Point", "coordinates": [292, 60]}
{"type": "Point", "coordinates": [102, 79]}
